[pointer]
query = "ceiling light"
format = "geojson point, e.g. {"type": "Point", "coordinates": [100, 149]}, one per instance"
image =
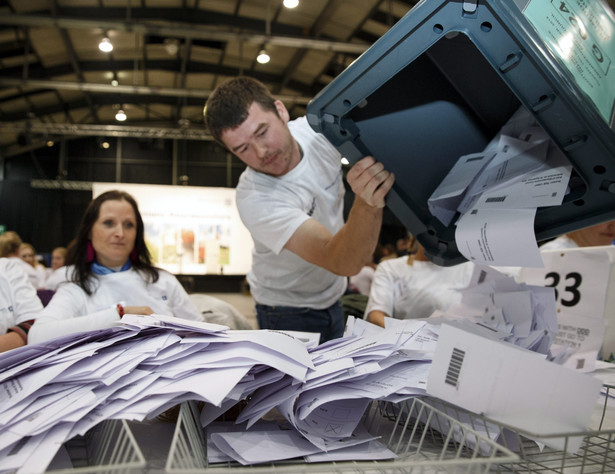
{"type": "Point", "coordinates": [105, 45]}
{"type": "Point", "coordinates": [171, 46]}
{"type": "Point", "coordinates": [290, 3]}
{"type": "Point", "coordinates": [50, 143]}
{"type": "Point", "coordinates": [120, 116]}
{"type": "Point", "coordinates": [263, 57]}
{"type": "Point", "coordinates": [115, 83]}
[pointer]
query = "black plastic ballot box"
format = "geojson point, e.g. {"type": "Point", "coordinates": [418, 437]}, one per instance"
{"type": "Point", "coordinates": [447, 76]}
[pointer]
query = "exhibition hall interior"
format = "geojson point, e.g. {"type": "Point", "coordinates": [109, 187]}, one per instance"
{"type": "Point", "coordinates": [60, 130]}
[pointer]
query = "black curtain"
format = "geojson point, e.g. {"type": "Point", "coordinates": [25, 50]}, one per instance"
{"type": "Point", "coordinates": [45, 218]}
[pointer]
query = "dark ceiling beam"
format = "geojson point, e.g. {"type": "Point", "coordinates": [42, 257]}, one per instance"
{"type": "Point", "coordinates": [187, 30]}
{"type": "Point", "coordinates": [120, 90]}
{"type": "Point", "coordinates": [74, 60]}
{"type": "Point", "coordinates": [98, 130]}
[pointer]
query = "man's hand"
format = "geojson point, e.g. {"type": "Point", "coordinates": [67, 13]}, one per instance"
{"type": "Point", "coordinates": [370, 181]}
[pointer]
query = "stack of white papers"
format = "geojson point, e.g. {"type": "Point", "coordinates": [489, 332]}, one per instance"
{"type": "Point", "coordinates": [59, 389]}
{"type": "Point", "coordinates": [496, 193]}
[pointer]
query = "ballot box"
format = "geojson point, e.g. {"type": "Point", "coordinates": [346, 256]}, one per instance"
{"type": "Point", "coordinates": [442, 82]}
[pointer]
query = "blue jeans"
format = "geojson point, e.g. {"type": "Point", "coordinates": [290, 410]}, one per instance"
{"type": "Point", "coordinates": [329, 322]}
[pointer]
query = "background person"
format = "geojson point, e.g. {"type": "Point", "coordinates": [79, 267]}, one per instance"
{"type": "Point", "coordinates": [412, 287]}
{"type": "Point", "coordinates": [112, 275]}
{"type": "Point", "coordinates": [59, 271]}
{"type": "Point", "coordinates": [290, 197]}
{"type": "Point", "coordinates": [10, 244]}
{"type": "Point", "coordinates": [27, 253]}
{"type": "Point", "coordinates": [19, 305]}
{"type": "Point", "coordinates": [596, 235]}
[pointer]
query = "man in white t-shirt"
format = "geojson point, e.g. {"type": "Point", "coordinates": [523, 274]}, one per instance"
{"type": "Point", "coordinates": [291, 199]}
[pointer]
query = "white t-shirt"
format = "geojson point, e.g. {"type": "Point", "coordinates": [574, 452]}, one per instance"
{"type": "Point", "coordinates": [18, 299]}
{"type": "Point", "coordinates": [56, 277]}
{"type": "Point", "coordinates": [559, 243]}
{"type": "Point", "coordinates": [35, 277]}
{"type": "Point", "coordinates": [272, 208]}
{"type": "Point", "coordinates": [362, 281]}
{"type": "Point", "coordinates": [415, 291]}
{"type": "Point", "coordinates": [72, 310]}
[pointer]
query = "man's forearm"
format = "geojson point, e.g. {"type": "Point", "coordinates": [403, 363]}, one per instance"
{"type": "Point", "coordinates": [353, 246]}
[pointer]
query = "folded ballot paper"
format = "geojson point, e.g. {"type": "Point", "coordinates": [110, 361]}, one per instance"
{"type": "Point", "coordinates": [494, 194]}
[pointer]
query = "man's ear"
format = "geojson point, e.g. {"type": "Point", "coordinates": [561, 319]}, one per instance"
{"type": "Point", "coordinates": [282, 111]}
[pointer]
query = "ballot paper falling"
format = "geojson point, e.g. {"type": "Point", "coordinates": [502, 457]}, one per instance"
{"type": "Point", "coordinates": [494, 194]}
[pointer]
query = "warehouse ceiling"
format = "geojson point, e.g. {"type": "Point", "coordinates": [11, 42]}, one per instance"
{"type": "Point", "coordinates": [168, 55]}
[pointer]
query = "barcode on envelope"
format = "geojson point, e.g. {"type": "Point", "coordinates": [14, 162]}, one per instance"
{"type": "Point", "coordinates": [496, 199]}
{"type": "Point", "coordinates": [454, 367]}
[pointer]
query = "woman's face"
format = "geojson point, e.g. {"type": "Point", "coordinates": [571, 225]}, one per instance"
{"type": "Point", "coordinates": [27, 255]}
{"type": "Point", "coordinates": [114, 232]}
{"type": "Point", "coordinates": [57, 259]}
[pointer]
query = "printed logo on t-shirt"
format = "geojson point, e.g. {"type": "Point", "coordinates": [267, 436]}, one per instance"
{"type": "Point", "coordinates": [312, 208]}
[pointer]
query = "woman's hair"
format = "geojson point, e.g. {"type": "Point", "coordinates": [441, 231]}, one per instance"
{"type": "Point", "coordinates": [9, 243]}
{"type": "Point", "coordinates": [227, 107]}
{"type": "Point", "coordinates": [77, 254]}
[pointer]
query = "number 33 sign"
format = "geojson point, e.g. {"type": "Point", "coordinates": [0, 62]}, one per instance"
{"type": "Point", "coordinates": [580, 278]}
{"type": "Point", "coordinates": [584, 283]}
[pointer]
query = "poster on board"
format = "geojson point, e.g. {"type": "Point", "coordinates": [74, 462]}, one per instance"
{"type": "Point", "coordinates": [191, 230]}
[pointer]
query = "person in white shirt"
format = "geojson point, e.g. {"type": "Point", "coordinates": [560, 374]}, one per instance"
{"type": "Point", "coordinates": [596, 235]}
{"type": "Point", "coordinates": [10, 244]}
{"type": "Point", "coordinates": [19, 305]}
{"type": "Point", "coordinates": [412, 287]}
{"type": "Point", "coordinates": [291, 200]}
{"type": "Point", "coordinates": [27, 253]}
{"type": "Point", "coordinates": [112, 274]}
{"type": "Point", "coordinates": [59, 272]}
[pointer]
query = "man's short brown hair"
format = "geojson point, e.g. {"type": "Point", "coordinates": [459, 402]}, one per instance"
{"type": "Point", "coordinates": [227, 106]}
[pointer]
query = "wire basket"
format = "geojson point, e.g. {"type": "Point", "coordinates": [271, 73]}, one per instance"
{"type": "Point", "coordinates": [109, 447]}
{"type": "Point", "coordinates": [424, 438]}
{"type": "Point", "coordinates": [596, 453]}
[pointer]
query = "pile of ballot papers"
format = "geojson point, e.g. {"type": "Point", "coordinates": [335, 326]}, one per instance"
{"type": "Point", "coordinates": [494, 194]}
{"type": "Point", "coordinates": [54, 391]}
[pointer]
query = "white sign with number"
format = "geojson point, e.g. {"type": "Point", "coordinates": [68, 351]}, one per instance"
{"type": "Point", "coordinates": [584, 282]}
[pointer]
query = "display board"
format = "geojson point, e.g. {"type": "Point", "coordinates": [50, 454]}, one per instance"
{"type": "Point", "coordinates": [191, 230]}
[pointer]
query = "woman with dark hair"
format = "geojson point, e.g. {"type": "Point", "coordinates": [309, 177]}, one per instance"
{"type": "Point", "coordinates": [111, 275]}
